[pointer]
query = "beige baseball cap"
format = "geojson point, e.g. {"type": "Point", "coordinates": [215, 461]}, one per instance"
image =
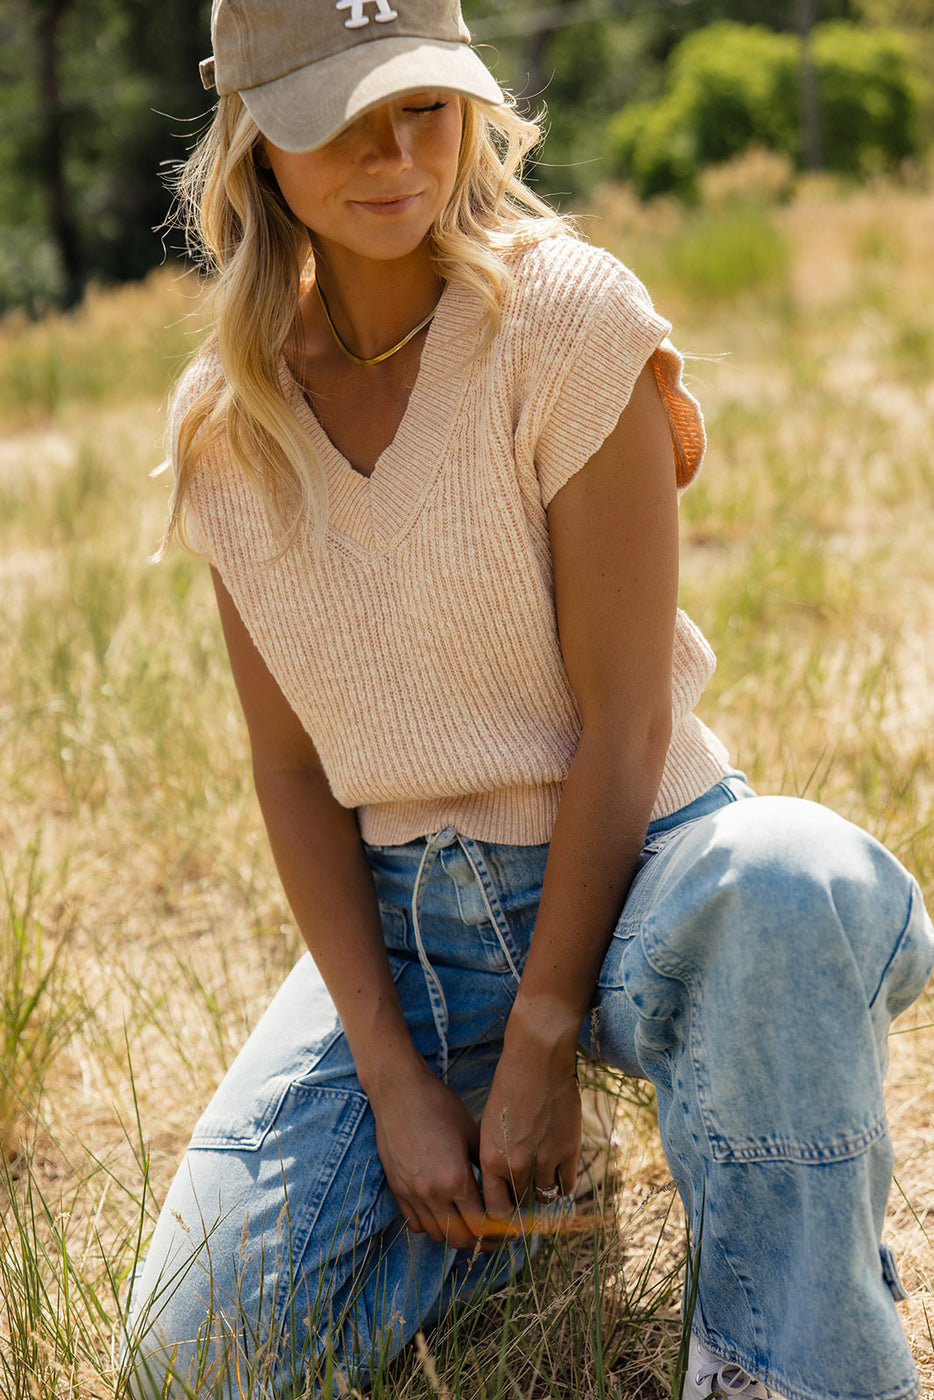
{"type": "Point", "coordinates": [305, 68]}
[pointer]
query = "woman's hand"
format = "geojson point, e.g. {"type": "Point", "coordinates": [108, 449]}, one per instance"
{"type": "Point", "coordinates": [613, 528]}
{"type": "Point", "coordinates": [428, 1144]}
{"type": "Point", "coordinates": [426, 1138]}
{"type": "Point", "coordinates": [530, 1134]}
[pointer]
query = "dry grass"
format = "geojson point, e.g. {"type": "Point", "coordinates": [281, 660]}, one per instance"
{"type": "Point", "coordinates": [146, 927]}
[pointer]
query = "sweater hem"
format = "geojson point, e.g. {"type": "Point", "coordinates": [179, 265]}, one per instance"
{"type": "Point", "coordinates": [525, 815]}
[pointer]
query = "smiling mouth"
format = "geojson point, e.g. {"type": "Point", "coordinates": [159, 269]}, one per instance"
{"type": "Point", "coordinates": [388, 202]}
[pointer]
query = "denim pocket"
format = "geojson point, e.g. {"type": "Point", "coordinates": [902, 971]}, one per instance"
{"type": "Point", "coordinates": [481, 898]}
{"type": "Point", "coordinates": [242, 1112]}
{"type": "Point", "coordinates": [338, 1184]}
{"type": "Point", "coordinates": [290, 1215]}
{"type": "Point", "coordinates": [298, 1041]}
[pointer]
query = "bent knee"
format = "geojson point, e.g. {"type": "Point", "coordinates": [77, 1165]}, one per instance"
{"type": "Point", "coordinates": [791, 856]}
{"type": "Point", "coordinates": [784, 840]}
{"type": "Point", "coordinates": [792, 883]}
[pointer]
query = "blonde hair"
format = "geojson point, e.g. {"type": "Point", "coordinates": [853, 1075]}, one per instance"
{"type": "Point", "coordinates": [241, 230]}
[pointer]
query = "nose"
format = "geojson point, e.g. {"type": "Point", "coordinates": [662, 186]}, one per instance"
{"type": "Point", "coordinates": [386, 139]}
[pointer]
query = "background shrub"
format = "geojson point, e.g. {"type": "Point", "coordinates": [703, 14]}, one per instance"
{"type": "Point", "coordinates": [733, 86]}
{"type": "Point", "coordinates": [868, 98]}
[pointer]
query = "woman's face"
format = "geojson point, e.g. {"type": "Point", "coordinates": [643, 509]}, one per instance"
{"type": "Point", "coordinates": [378, 187]}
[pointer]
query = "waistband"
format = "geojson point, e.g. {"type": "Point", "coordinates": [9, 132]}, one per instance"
{"type": "Point", "coordinates": [731, 788]}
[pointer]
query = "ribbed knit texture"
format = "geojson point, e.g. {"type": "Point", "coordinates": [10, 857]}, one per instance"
{"type": "Point", "coordinates": [419, 647]}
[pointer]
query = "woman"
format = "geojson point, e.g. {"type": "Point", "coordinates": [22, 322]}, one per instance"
{"type": "Point", "coordinates": [433, 455]}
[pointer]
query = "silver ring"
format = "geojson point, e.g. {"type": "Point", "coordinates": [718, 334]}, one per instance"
{"type": "Point", "coordinates": [547, 1194]}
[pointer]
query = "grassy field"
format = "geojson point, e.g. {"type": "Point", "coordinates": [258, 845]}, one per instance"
{"type": "Point", "coordinates": [144, 928]}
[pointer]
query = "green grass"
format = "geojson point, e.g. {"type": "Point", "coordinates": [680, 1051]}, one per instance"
{"type": "Point", "coordinates": [37, 1007]}
{"type": "Point", "coordinates": [143, 929]}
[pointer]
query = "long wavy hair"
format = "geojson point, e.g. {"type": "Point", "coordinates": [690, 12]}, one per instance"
{"type": "Point", "coordinates": [243, 234]}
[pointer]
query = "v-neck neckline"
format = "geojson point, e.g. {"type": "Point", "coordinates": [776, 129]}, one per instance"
{"type": "Point", "coordinates": [376, 509]}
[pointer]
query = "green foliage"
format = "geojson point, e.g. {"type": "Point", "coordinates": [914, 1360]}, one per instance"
{"type": "Point", "coordinates": [718, 257]}
{"type": "Point", "coordinates": [868, 98]}
{"type": "Point", "coordinates": [906, 14]}
{"type": "Point", "coordinates": [729, 86]}
{"type": "Point", "coordinates": [734, 86]}
{"type": "Point", "coordinates": [915, 20]}
{"type": "Point", "coordinates": [36, 1010]}
{"type": "Point", "coordinates": [127, 87]}
{"type": "Point", "coordinates": [779, 15]}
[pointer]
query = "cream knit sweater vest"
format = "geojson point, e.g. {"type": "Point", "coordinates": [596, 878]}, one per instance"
{"type": "Point", "coordinates": [418, 647]}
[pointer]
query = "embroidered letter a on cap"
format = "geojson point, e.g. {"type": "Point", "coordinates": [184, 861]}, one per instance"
{"type": "Point", "coordinates": [358, 15]}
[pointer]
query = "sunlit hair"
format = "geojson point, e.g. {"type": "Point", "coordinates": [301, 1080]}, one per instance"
{"type": "Point", "coordinates": [238, 226]}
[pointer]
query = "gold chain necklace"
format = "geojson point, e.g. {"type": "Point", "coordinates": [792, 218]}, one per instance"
{"type": "Point", "coordinates": [376, 359]}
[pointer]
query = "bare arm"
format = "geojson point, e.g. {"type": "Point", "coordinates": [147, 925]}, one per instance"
{"type": "Point", "coordinates": [614, 542]}
{"type": "Point", "coordinates": [425, 1135]}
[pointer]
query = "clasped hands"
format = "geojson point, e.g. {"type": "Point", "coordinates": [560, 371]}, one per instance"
{"type": "Point", "coordinates": [473, 1185]}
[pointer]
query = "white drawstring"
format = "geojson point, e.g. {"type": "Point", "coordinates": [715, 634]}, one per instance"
{"type": "Point", "coordinates": [439, 1007]}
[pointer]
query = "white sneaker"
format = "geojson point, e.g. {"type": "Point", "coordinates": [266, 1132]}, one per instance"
{"type": "Point", "coordinates": [708, 1375]}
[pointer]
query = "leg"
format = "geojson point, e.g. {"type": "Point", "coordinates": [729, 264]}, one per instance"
{"type": "Point", "coordinates": [760, 958]}
{"type": "Point", "coordinates": [280, 1251]}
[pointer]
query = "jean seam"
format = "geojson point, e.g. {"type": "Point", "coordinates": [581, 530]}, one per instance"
{"type": "Point", "coordinates": [724, 786]}
{"type": "Point", "coordinates": [798, 1154]}
{"type": "Point", "coordinates": [721, 1149]}
{"type": "Point", "coordinates": [502, 926]}
{"type": "Point", "coordinates": [228, 1141]}
{"type": "Point", "coordinates": [915, 896]}
{"type": "Point", "coordinates": [745, 1284]}
{"type": "Point", "coordinates": [399, 933]}
{"type": "Point", "coordinates": [356, 1224]}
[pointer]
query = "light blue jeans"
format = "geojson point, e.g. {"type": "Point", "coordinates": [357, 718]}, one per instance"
{"type": "Point", "coordinates": [763, 950]}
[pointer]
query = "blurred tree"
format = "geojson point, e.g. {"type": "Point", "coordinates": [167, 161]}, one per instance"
{"type": "Point", "coordinates": [595, 70]}
{"type": "Point", "coordinates": [47, 19]}
{"type": "Point", "coordinates": [589, 58]}
{"type": "Point", "coordinates": [916, 19]}
{"type": "Point", "coordinates": [732, 86]}
{"type": "Point", "coordinates": [868, 99]}
{"type": "Point", "coordinates": [729, 86]}
{"type": "Point", "coordinates": [537, 56]}
{"type": "Point", "coordinates": [903, 14]}
{"type": "Point", "coordinates": [812, 146]}
{"type": "Point", "coordinates": [675, 22]}
{"type": "Point", "coordinates": [97, 95]}
{"type": "Point", "coordinates": [27, 251]}
{"type": "Point", "coordinates": [85, 86]}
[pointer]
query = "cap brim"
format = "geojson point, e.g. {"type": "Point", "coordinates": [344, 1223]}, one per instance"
{"type": "Point", "coordinates": [305, 109]}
